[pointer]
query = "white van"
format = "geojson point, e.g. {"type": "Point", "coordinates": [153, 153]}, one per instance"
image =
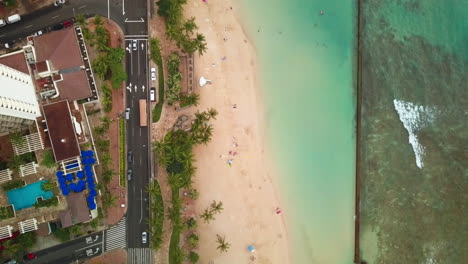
{"type": "Point", "coordinates": [14, 18]}
{"type": "Point", "coordinates": [2, 22]}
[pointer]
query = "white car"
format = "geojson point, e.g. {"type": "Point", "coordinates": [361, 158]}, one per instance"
{"type": "Point", "coordinates": [134, 44]}
{"type": "Point", "coordinates": [2, 23]}
{"type": "Point", "coordinates": [59, 2]}
{"type": "Point", "coordinates": [144, 237]}
{"type": "Point", "coordinates": [152, 94]}
{"type": "Point", "coordinates": [153, 74]}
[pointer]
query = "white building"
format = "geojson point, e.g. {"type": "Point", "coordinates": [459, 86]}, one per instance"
{"type": "Point", "coordinates": [18, 103]}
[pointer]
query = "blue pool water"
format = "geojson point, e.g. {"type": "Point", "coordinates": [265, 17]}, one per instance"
{"type": "Point", "coordinates": [25, 197]}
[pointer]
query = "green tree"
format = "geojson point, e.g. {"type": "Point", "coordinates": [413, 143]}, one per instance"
{"type": "Point", "coordinates": [194, 194]}
{"type": "Point", "coordinates": [48, 185]}
{"type": "Point", "coordinates": [98, 20]}
{"type": "Point", "coordinates": [155, 50]}
{"type": "Point", "coordinates": [179, 256]}
{"type": "Point", "coordinates": [108, 200]}
{"type": "Point", "coordinates": [191, 223]}
{"type": "Point", "coordinates": [107, 175]}
{"type": "Point", "coordinates": [101, 66]}
{"type": "Point", "coordinates": [223, 246]}
{"type": "Point", "coordinates": [81, 20]}
{"type": "Point", "coordinates": [189, 26]}
{"type": "Point", "coordinates": [193, 240]}
{"type": "Point", "coordinates": [207, 216]}
{"type": "Point", "coordinates": [17, 139]}
{"type": "Point", "coordinates": [76, 229]}
{"type": "Point", "coordinates": [193, 257]}
{"type": "Point", "coordinates": [48, 160]}
{"type": "Point", "coordinates": [106, 121]}
{"type": "Point", "coordinates": [216, 207]}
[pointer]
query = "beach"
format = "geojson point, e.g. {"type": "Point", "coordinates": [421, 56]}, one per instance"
{"type": "Point", "coordinates": [245, 188]}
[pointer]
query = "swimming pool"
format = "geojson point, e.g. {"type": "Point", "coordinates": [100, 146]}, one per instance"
{"type": "Point", "coordinates": [25, 197]}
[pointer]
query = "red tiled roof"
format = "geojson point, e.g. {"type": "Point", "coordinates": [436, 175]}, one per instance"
{"type": "Point", "coordinates": [61, 131]}
{"type": "Point", "coordinates": [16, 61]}
{"type": "Point", "coordinates": [74, 86]}
{"type": "Point", "coordinates": [60, 48]}
{"type": "Point", "coordinates": [78, 206]}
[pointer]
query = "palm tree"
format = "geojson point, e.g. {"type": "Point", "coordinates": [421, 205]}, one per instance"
{"type": "Point", "coordinates": [212, 113]}
{"type": "Point", "coordinates": [223, 246]}
{"type": "Point", "coordinates": [189, 26]}
{"type": "Point", "coordinates": [200, 44]}
{"type": "Point", "coordinates": [106, 122]}
{"type": "Point", "coordinates": [98, 20]}
{"type": "Point", "coordinates": [216, 207]}
{"type": "Point", "coordinates": [207, 216]}
{"type": "Point", "coordinates": [17, 139]}
{"type": "Point", "coordinates": [108, 200]}
{"type": "Point", "coordinates": [81, 20]}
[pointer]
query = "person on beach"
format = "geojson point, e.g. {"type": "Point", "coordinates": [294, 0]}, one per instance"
{"type": "Point", "coordinates": [278, 210]}
{"type": "Point", "coordinates": [234, 106]}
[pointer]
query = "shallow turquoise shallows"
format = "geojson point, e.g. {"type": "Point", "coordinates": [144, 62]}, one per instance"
{"type": "Point", "coordinates": [25, 197]}
{"type": "Point", "coordinates": [307, 73]}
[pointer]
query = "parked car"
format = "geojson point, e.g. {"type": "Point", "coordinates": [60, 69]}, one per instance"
{"type": "Point", "coordinates": [58, 27]}
{"type": "Point", "coordinates": [67, 23]}
{"type": "Point", "coordinates": [134, 44]}
{"type": "Point", "coordinates": [130, 156]}
{"type": "Point", "coordinates": [129, 175]}
{"type": "Point", "coordinates": [13, 18]}
{"type": "Point", "coordinates": [9, 44]}
{"type": "Point", "coordinates": [144, 237]}
{"type": "Point", "coordinates": [2, 23]}
{"type": "Point", "coordinates": [152, 94]}
{"type": "Point", "coordinates": [29, 256]}
{"type": "Point", "coordinates": [127, 113]}
{"type": "Point", "coordinates": [153, 74]}
{"type": "Point", "coordinates": [59, 2]}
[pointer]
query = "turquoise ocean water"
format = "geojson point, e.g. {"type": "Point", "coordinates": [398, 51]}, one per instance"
{"type": "Point", "coordinates": [414, 167]}
{"type": "Point", "coordinates": [307, 73]}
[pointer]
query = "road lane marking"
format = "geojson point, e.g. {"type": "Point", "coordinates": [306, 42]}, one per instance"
{"type": "Point", "coordinates": [108, 9]}
{"type": "Point", "coordinates": [141, 202]}
{"type": "Point", "coordinates": [123, 7]}
{"type": "Point", "coordinates": [134, 21]}
{"type": "Point", "coordinates": [28, 26]}
{"type": "Point", "coordinates": [138, 54]}
{"type": "Point", "coordinates": [83, 6]}
{"type": "Point", "coordinates": [54, 17]}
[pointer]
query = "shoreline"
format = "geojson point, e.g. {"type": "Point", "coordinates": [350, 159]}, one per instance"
{"type": "Point", "coordinates": [258, 190]}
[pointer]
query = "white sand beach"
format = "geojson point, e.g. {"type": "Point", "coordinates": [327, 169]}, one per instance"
{"type": "Point", "coordinates": [246, 188]}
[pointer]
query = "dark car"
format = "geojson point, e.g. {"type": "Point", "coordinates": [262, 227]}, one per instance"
{"type": "Point", "coordinates": [58, 27]}
{"type": "Point", "coordinates": [130, 156]}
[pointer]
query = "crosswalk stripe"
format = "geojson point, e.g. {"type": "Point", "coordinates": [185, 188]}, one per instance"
{"type": "Point", "coordinates": [116, 236]}
{"type": "Point", "coordinates": [139, 255]}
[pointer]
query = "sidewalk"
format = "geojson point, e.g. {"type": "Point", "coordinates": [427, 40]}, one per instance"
{"type": "Point", "coordinates": [115, 213]}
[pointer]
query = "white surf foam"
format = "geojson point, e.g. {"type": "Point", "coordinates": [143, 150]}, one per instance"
{"type": "Point", "coordinates": [414, 118]}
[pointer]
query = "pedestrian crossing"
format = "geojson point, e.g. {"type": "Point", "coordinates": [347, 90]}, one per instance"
{"type": "Point", "coordinates": [116, 236]}
{"type": "Point", "coordinates": [139, 256]}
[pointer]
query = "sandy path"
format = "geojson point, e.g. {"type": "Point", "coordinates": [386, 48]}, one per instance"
{"type": "Point", "coordinates": [246, 189]}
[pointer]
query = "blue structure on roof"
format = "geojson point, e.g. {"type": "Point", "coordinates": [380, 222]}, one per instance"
{"type": "Point", "coordinates": [85, 178]}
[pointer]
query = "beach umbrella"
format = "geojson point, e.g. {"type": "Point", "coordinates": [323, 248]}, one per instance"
{"type": "Point", "coordinates": [80, 174]}
{"type": "Point", "coordinates": [91, 161]}
{"type": "Point", "coordinates": [65, 191]}
{"type": "Point", "coordinates": [83, 153]}
{"type": "Point", "coordinates": [59, 173]}
{"type": "Point", "coordinates": [90, 153]}
{"type": "Point", "coordinates": [92, 206]}
{"type": "Point", "coordinates": [251, 248]}
{"type": "Point", "coordinates": [204, 81]}
{"type": "Point", "coordinates": [70, 177]}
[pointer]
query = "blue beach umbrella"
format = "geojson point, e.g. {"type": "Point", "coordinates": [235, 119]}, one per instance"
{"type": "Point", "coordinates": [251, 248]}
{"type": "Point", "coordinates": [80, 174]}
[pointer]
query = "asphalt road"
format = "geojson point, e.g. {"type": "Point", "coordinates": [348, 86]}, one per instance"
{"type": "Point", "coordinates": [81, 248]}
{"type": "Point", "coordinates": [136, 64]}
{"type": "Point", "coordinates": [131, 15]}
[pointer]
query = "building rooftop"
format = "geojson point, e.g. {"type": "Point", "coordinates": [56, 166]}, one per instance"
{"type": "Point", "coordinates": [78, 207]}
{"type": "Point", "coordinates": [74, 86]}
{"type": "Point", "coordinates": [60, 48]}
{"type": "Point", "coordinates": [15, 60]}
{"type": "Point", "coordinates": [61, 131]}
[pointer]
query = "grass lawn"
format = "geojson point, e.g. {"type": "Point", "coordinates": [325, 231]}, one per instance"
{"type": "Point", "coordinates": [122, 151]}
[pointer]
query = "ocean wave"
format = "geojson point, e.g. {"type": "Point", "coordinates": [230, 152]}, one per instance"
{"type": "Point", "coordinates": [414, 118]}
